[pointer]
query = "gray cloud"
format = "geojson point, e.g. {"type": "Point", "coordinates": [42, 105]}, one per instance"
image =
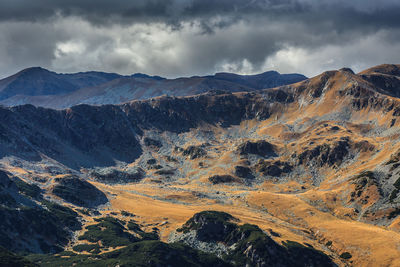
{"type": "Point", "coordinates": [195, 37]}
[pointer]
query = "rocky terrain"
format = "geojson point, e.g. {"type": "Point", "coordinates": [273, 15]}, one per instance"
{"type": "Point", "coordinates": [306, 174]}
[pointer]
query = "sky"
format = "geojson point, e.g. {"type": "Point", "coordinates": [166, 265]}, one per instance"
{"type": "Point", "coordinates": [174, 38]}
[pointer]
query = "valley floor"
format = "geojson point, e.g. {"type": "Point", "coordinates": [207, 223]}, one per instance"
{"type": "Point", "coordinates": [283, 213]}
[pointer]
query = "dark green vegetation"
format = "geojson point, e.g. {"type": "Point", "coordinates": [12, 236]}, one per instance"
{"type": "Point", "coordinates": [9, 259]}
{"type": "Point", "coordinates": [127, 214]}
{"type": "Point", "coordinates": [64, 215]}
{"type": "Point", "coordinates": [142, 253]}
{"type": "Point", "coordinates": [37, 229]}
{"type": "Point", "coordinates": [110, 231]}
{"type": "Point", "coordinates": [92, 248]}
{"type": "Point", "coordinates": [251, 246]}
{"type": "Point", "coordinates": [133, 226]}
{"type": "Point", "coordinates": [30, 190]}
{"type": "Point", "coordinates": [46, 228]}
{"type": "Point", "coordinates": [345, 255]}
{"type": "Point", "coordinates": [79, 192]}
{"type": "Point", "coordinates": [29, 226]}
{"type": "Point", "coordinates": [139, 249]}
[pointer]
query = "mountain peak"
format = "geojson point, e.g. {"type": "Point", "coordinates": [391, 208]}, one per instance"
{"type": "Point", "coordinates": [347, 70]}
{"type": "Point", "coordinates": [34, 70]}
{"type": "Point", "coordinates": [38, 81]}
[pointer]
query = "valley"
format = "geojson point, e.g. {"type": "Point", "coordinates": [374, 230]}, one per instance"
{"type": "Point", "coordinates": [315, 165]}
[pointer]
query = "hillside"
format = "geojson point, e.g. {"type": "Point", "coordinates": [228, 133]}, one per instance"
{"type": "Point", "coordinates": [43, 88]}
{"type": "Point", "coordinates": [306, 173]}
{"type": "Point", "coordinates": [37, 81]}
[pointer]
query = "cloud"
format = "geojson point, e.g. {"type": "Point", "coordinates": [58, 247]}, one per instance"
{"type": "Point", "coordinates": [358, 54]}
{"type": "Point", "coordinates": [195, 37]}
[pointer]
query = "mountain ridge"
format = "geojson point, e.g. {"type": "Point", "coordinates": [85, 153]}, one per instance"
{"type": "Point", "coordinates": [65, 90]}
{"type": "Point", "coordinates": [314, 164]}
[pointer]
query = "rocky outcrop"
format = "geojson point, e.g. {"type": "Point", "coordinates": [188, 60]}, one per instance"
{"type": "Point", "coordinates": [273, 168]}
{"type": "Point", "coordinates": [210, 225]}
{"type": "Point", "coordinates": [326, 154]}
{"type": "Point", "coordinates": [113, 176]}
{"type": "Point", "coordinates": [194, 152]}
{"type": "Point", "coordinates": [152, 142]}
{"type": "Point", "coordinates": [79, 192]}
{"type": "Point", "coordinates": [261, 148]}
{"type": "Point", "coordinates": [222, 179]}
{"type": "Point", "coordinates": [243, 172]}
{"type": "Point", "coordinates": [247, 245]}
{"type": "Point", "coordinates": [362, 183]}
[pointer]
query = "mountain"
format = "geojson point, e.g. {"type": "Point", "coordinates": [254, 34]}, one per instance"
{"type": "Point", "coordinates": [385, 77]}
{"type": "Point", "coordinates": [305, 174]}
{"type": "Point", "coordinates": [264, 80]}
{"type": "Point", "coordinates": [37, 81]}
{"type": "Point", "coordinates": [43, 88]}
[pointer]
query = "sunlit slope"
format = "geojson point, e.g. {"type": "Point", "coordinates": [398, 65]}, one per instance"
{"type": "Point", "coordinates": [316, 162]}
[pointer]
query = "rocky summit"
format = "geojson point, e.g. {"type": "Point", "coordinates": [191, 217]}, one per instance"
{"type": "Point", "coordinates": [230, 173]}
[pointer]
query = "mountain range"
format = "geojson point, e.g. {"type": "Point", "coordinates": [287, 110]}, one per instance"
{"type": "Point", "coordinates": [41, 87]}
{"type": "Point", "coordinates": [302, 174]}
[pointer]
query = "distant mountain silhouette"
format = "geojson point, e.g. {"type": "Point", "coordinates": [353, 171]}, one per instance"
{"type": "Point", "coordinates": [41, 87]}
{"type": "Point", "coordinates": [37, 81]}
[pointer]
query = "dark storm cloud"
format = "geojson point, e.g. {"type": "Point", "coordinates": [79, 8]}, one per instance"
{"type": "Point", "coordinates": [188, 37]}
{"type": "Point", "coordinates": [345, 14]}
{"type": "Point", "coordinates": [177, 11]}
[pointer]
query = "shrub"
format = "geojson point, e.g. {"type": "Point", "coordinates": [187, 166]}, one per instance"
{"type": "Point", "coordinates": [346, 255]}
